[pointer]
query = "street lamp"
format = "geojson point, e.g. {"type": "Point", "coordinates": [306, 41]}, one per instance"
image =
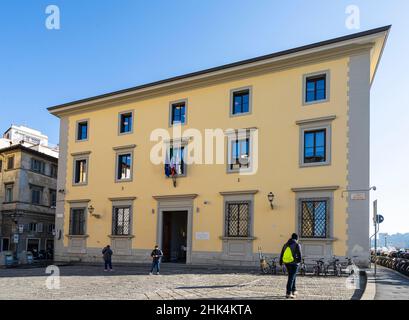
{"type": "Point", "coordinates": [270, 198]}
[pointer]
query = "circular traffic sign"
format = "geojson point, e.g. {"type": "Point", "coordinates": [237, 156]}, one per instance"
{"type": "Point", "coordinates": [379, 218]}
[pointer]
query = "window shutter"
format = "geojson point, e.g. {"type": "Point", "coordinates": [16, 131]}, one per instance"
{"type": "Point", "coordinates": [40, 227]}
{"type": "Point", "coordinates": [82, 220]}
{"type": "Point", "coordinates": [71, 221]}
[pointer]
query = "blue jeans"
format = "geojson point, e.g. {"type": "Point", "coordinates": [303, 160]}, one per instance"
{"type": "Point", "coordinates": [155, 264]}
{"type": "Point", "coordinates": [292, 275]}
{"type": "Point", "coordinates": [108, 263]}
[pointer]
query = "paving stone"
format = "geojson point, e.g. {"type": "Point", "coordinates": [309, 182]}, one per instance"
{"type": "Point", "coordinates": [90, 282]}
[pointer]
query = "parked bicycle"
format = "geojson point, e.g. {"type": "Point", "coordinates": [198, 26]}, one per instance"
{"type": "Point", "coordinates": [303, 268]}
{"type": "Point", "coordinates": [335, 266]}
{"type": "Point", "coordinates": [319, 268]}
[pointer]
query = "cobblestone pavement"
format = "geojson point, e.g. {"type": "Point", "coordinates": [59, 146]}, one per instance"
{"type": "Point", "coordinates": [91, 282]}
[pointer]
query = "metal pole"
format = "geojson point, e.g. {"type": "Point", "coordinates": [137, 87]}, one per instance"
{"type": "Point", "coordinates": [376, 254]}
{"type": "Point", "coordinates": [375, 220]}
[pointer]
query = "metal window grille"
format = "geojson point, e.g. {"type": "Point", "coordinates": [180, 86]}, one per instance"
{"type": "Point", "coordinates": [314, 219]}
{"type": "Point", "coordinates": [238, 219]}
{"type": "Point", "coordinates": [121, 221]}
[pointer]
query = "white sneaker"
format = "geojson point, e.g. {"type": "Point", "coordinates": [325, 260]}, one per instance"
{"type": "Point", "coordinates": [295, 293]}
{"type": "Point", "coordinates": [150, 273]}
{"type": "Point", "coordinates": [290, 296]}
{"type": "Point", "coordinates": [157, 273]}
{"type": "Point", "coordinates": [105, 270]}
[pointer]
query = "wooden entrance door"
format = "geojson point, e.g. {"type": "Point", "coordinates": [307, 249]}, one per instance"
{"type": "Point", "coordinates": [167, 236]}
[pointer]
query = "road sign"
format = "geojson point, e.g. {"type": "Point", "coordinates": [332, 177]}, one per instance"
{"type": "Point", "coordinates": [379, 218]}
{"type": "Point", "coordinates": [15, 238]}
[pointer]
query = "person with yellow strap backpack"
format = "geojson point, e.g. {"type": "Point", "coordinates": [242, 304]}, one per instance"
{"type": "Point", "coordinates": [291, 257]}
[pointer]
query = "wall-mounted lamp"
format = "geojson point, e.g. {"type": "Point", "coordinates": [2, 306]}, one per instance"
{"type": "Point", "coordinates": [91, 211]}
{"type": "Point", "coordinates": [270, 197]}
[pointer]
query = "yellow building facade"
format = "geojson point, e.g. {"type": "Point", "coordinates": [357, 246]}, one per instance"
{"type": "Point", "coordinates": [297, 122]}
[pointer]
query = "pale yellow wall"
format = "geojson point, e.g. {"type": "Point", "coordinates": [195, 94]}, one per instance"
{"type": "Point", "coordinates": [277, 104]}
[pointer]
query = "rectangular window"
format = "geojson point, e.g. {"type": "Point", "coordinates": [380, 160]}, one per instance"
{"type": "Point", "coordinates": [33, 227]}
{"type": "Point", "coordinates": [178, 113]}
{"type": "Point", "coordinates": [38, 166]}
{"type": "Point", "coordinates": [51, 228]}
{"type": "Point", "coordinates": [315, 146]}
{"type": "Point", "coordinates": [10, 163]}
{"type": "Point", "coordinates": [1, 165]}
{"type": "Point", "coordinates": [53, 171]}
{"type": "Point", "coordinates": [36, 195]}
{"type": "Point", "coordinates": [5, 244]}
{"type": "Point", "coordinates": [82, 131]}
{"type": "Point", "coordinates": [121, 221]}
{"type": "Point", "coordinates": [175, 162]}
{"type": "Point", "coordinates": [80, 171]}
{"type": "Point", "coordinates": [314, 219]}
{"type": "Point", "coordinates": [125, 122]}
{"type": "Point", "coordinates": [77, 222]}
{"type": "Point", "coordinates": [241, 102]}
{"type": "Point", "coordinates": [316, 88]}
{"type": "Point", "coordinates": [238, 219]}
{"type": "Point", "coordinates": [9, 192]}
{"type": "Point", "coordinates": [53, 198]}
{"type": "Point", "coordinates": [124, 167]}
{"type": "Point", "coordinates": [240, 154]}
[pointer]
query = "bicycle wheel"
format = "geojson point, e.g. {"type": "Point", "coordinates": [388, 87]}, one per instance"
{"type": "Point", "coordinates": [265, 269]}
{"type": "Point", "coordinates": [339, 271]}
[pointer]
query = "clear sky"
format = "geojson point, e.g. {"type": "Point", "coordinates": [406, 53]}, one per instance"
{"type": "Point", "coordinates": [104, 46]}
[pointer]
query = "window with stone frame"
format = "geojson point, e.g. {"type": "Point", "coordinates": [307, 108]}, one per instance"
{"type": "Point", "coordinates": [10, 163]}
{"type": "Point", "coordinates": [9, 192]}
{"type": "Point", "coordinates": [238, 219]}
{"type": "Point", "coordinates": [36, 194]}
{"type": "Point", "coordinates": [38, 166]}
{"type": "Point", "coordinates": [121, 221]}
{"type": "Point", "coordinates": [53, 198]}
{"type": "Point", "coordinates": [314, 218]}
{"type": "Point", "coordinates": [80, 171]}
{"type": "Point", "coordinates": [53, 171]}
{"type": "Point", "coordinates": [77, 221]}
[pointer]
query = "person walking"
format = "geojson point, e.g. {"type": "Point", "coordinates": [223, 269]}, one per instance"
{"type": "Point", "coordinates": [156, 255]}
{"type": "Point", "coordinates": [107, 255]}
{"type": "Point", "coordinates": [291, 257]}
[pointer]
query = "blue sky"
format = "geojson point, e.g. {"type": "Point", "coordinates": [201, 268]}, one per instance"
{"type": "Point", "coordinates": [104, 46]}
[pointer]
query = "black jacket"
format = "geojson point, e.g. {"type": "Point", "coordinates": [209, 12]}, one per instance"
{"type": "Point", "coordinates": [295, 249]}
{"type": "Point", "coordinates": [156, 254]}
{"type": "Point", "coordinates": [107, 253]}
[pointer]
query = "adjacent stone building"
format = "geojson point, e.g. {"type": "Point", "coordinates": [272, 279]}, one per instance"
{"type": "Point", "coordinates": [28, 189]}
